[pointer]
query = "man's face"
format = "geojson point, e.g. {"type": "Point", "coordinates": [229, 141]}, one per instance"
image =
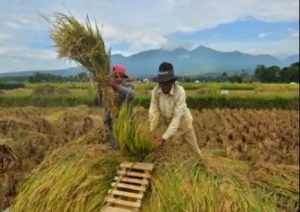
{"type": "Point", "coordinates": [118, 78]}
{"type": "Point", "coordinates": [166, 86]}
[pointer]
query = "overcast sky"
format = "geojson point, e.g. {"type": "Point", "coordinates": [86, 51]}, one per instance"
{"type": "Point", "coordinates": [130, 26]}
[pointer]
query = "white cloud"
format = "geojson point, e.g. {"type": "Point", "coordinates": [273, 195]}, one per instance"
{"type": "Point", "coordinates": [295, 35]}
{"type": "Point", "coordinates": [263, 34]}
{"type": "Point", "coordinates": [12, 25]}
{"type": "Point", "coordinates": [3, 36]}
{"type": "Point", "coordinates": [280, 49]}
{"type": "Point", "coordinates": [139, 40]}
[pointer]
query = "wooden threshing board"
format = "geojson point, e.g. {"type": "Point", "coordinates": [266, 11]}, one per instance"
{"type": "Point", "coordinates": [128, 188]}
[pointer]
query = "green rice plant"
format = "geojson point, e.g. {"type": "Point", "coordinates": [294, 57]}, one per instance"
{"type": "Point", "coordinates": [194, 102]}
{"type": "Point", "coordinates": [133, 139]}
{"type": "Point", "coordinates": [84, 44]}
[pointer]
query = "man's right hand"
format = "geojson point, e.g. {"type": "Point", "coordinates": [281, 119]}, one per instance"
{"type": "Point", "coordinates": [160, 141]}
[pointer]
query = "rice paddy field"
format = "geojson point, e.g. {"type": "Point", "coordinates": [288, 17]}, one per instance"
{"type": "Point", "coordinates": [192, 89]}
{"type": "Point", "coordinates": [58, 158]}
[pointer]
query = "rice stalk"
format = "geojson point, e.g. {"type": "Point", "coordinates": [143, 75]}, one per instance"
{"type": "Point", "coordinates": [134, 139]}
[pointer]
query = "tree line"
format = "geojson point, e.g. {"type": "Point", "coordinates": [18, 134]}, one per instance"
{"type": "Point", "coordinates": [272, 74]}
{"type": "Point", "coordinates": [262, 73]}
{"type": "Point", "coordinates": [39, 77]}
{"type": "Point", "coordinates": [276, 74]}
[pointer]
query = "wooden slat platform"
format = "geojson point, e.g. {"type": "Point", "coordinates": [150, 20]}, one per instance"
{"type": "Point", "coordinates": [128, 188]}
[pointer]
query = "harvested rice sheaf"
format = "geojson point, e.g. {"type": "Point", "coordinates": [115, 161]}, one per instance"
{"type": "Point", "coordinates": [83, 43]}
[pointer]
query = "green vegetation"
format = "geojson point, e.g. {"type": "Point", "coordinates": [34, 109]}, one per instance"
{"type": "Point", "coordinates": [11, 85]}
{"type": "Point", "coordinates": [45, 100]}
{"type": "Point", "coordinates": [211, 101]}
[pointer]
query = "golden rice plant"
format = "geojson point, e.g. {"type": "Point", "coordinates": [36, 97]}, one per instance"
{"type": "Point", "coordinates": [134, 139]}
{"type": "Point", "coordinates": [84, 44]}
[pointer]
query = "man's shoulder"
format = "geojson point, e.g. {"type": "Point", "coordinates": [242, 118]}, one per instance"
{"type": "Point", "coordinates": [155, 89]}
{"type": "Point", "coordinates": [179, 88]}
{"type": "Point", "coordinates": [128, 85]}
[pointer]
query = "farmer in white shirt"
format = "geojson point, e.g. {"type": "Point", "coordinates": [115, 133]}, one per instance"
{"type": "Point", "coordinates": [168, 107]}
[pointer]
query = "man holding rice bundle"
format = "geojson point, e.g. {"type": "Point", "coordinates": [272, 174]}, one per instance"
{"type": "Point", "coordinates": [84, 44]}
{"type": "Point", "coordinates": [125, 94]}
{"type": "Point", "coordinates": [168, 106]}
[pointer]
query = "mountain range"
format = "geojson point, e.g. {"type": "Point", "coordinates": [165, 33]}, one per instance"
{"type": "Point", "coordinates": [199, 61]}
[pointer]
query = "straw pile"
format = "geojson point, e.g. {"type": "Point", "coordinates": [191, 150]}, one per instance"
{"type": "Point", "coordinates": [84, 44]}
{"type": "Point", "coordinates": [28, 134]}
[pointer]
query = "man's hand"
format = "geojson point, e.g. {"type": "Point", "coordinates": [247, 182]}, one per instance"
{"type": "Point", "coordinates": [160, 141]}
{"type": "Point", "coordinates": [156, 136]}
{"type": "Point", "coordinates": [108, 81]}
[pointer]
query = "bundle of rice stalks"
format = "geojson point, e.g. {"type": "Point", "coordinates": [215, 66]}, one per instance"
{"type": "Point", "coordinates": [84, 44]}
{"type": "Point", "coordinates": [282, 180]}
{"type": "Point", "coordinates": [134, 139]}
{"type": "Point", "coordinates": [73, 178]}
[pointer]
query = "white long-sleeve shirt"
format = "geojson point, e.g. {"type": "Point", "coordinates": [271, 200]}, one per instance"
{"type": "Point", "coordinates": [170, 109]}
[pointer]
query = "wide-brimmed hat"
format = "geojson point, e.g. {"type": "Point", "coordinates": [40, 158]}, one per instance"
{"type": "Point", "coordinates": [165, 73]}
{"type": "Point", "coordinates": [120, 69]}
